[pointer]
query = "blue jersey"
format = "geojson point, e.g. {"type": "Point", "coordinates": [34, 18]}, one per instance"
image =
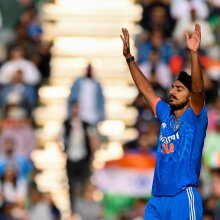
{"type": "Point", "coordinates": [179, 150]}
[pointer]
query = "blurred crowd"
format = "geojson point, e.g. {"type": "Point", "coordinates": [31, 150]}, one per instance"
{"type": "Point", "coordinates": [25, 67]}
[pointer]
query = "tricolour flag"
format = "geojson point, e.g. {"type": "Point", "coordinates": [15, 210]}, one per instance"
{"type": "Point", "coordinates": [132, 175]}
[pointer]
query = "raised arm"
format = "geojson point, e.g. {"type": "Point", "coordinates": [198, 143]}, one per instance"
{"type": "Point", "coordinates": [193, 43]}
{"type": "Point", "coordinates": [140, 80]}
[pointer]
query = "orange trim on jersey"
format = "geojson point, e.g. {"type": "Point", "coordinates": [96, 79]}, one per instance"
{"type": "Point", "coordinates": [155, 105]}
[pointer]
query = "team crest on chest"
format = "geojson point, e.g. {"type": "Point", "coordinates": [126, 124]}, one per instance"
{"type": "Point", "coordinates": [164, 125]}
{"type": "Point", "coordinates": [177, 126]}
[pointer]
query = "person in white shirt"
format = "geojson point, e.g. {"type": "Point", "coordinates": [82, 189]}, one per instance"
{"type": "Point", "coordinates": [208, 38]}
{"type": "Point", "coordinates": [12, 188]}
{"type": "Point", "coordinates": [79, 149]}
{"type": "Point", "coordinates": [180, 9]}
{"type": "Point", "coordinates": [157, 72]}
{"type": "Point", "coordinates": [31, 74]}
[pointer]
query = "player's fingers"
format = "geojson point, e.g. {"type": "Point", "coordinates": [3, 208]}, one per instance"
{"type": "Point", "coordinates": [187, 35]}
{"type": "Point", "coordinates": [198, 29]}
{"type": "Point", "coordinates": [197, 35]}
{"type": "Point", "coordinates": [127, 33]}
{"type": "Point", "coordinates": [123, 31]}
{"type": "Point", "coordinates": [122, 38]}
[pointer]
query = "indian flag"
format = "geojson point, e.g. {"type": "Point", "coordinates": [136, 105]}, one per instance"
{"type": "Point", "coordinates": [132, 175]}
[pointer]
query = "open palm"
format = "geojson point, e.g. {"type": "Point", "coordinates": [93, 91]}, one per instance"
{"type": "Point", "coordinates": [126, 43]}
{"type": "Point", "coordinates": [193, 41]}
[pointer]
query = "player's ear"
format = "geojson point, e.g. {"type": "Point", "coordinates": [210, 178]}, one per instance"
{"type": "Point", "coordinates": [190, 98]}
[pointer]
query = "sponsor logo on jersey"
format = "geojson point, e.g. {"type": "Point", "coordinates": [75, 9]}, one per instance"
{"type": "Point", "coordinates": [168, 139]}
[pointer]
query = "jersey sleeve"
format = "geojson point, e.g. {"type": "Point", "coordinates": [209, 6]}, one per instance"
{"type": "Point", "coordinates": [202, 117]}
{"type": "Point", "coordinates": [161, 109]}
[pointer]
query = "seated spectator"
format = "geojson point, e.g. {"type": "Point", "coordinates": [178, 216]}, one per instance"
{"type": "Point", "coordinates": [16, 124]}
{"type": "Point", "coordinates": [212, 205]}
{"type": "Point", "coordinates": [22, 164]}
{"type": "Point", "coordinates": [157, 72]}
{"type": "Point", "coordinates": [9, 20]}
{"type": "Point", "coordinates": [181, 10]}
{"type": "Point", "coordinates": [216, 191]}
{"type": "Point", "coordinates": [31, 21]}
{"type": "Point", "coordinates": [211, 152]}
{"type": "Point", "coordinates": [214, 115]}
{"type": "Point", "coordinates": [144, 114]}
{"type": "Point", "coordinates": [54, 210]}
{"type": "Point", "coordinates": [6, 211]}
{"type": "Point", "coordinates": [188, 25]}
{"type": "Point", "coordinates": [157, 15]}
{"type": "Point", "coordinates": [146, 142]}
{"type": "Point", "coordinates": [31, 75]}
{"type": "Point", "coordinates": [26, 93]}
{"type": "Point", "coordinates": [214, 18]}
{"type": "Point", "coordinates": [86, 206]}
{"type": "Point", "coordinates": [13, 189]}
{"type": "Point", "coordinates": [39, 208]}
{"type": "Point", "coordinates": [158, 41]}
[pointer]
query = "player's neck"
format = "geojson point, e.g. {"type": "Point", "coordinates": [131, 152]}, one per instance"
{"type": "Point", "coordinates": [179, 112]}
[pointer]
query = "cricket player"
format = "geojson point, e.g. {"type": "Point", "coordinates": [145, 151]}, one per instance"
{"type": "Point", "coordinates": [182, 133]}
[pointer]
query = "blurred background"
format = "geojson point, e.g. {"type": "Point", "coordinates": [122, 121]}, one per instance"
{"type": "Point", "coordinates": [77, 140]}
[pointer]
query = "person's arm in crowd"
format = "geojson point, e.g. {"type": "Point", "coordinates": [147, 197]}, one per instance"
{"type": "Point", "coordinates": [197, 93]}
{"type": "Point", "coordinates": [140, 80]}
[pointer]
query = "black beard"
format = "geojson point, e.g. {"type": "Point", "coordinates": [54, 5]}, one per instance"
{"type": "Point", "coordinates": [179, 106]}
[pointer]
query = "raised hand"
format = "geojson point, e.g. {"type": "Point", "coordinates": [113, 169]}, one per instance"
{"type": "Point", "coordinates": [126, 43]}
{"type": "Point", "coordinates": [193, 41]}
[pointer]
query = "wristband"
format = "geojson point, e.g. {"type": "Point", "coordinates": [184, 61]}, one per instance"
{"type": "Point", "coordinates": [130, 59]}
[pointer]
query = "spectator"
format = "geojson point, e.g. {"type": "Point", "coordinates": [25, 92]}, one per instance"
{"type": "Point", "coordinates": [146, 143]}
{"type": "Point", "coordinates": [45, 57]}
{"type": "Point", "coordinates": [26, 93]}
{"type": "Point", "coordinates": [31, 21]}
{"type": "Point", "coordinates": [214, 17]}
{"type": "Point", "coordinates": [54, 210]}
{"type": "Point", "coordinates": [180, 10]}
{"type": "Point", "coordinates": [144, 114]}
{"type": "Point", "coordinates": [17, 62]}
{"type": "Point", "coordinates": [212, 146]}
{"type": "Point", "coordinates": [6, 211]}
{"type": "Point", "coordinates": [9, 20]}
{"type": "Point", "coordinates": [17, 125]}
{"type": "Point", "coordinates": [13, 189]}
{"type": "Point", "coordinates": [22, 164]}
{"type": "Point", "coordinates": [88, 93]}
{"type": "Point", "coordinates": [187, 25]}
{"type": "Point", "coordinates": [86, 206]}
{"type": "Point", "coordinates": [212, 205]}
{"type": "Point", "coordinates": [214, 115]}
{"type": "Point", "coordinates": [156, 40]}
{"type": "Point", "coordinates": [157, 15]}
{"type": "Point", "coordinates": [216, 192]}
{"type": "Point", "coordinates": [157, 72]}
{"type": "Point", "coordinates": [39, 209]}
{"type": "Point", "coordinates": [79, 151]}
